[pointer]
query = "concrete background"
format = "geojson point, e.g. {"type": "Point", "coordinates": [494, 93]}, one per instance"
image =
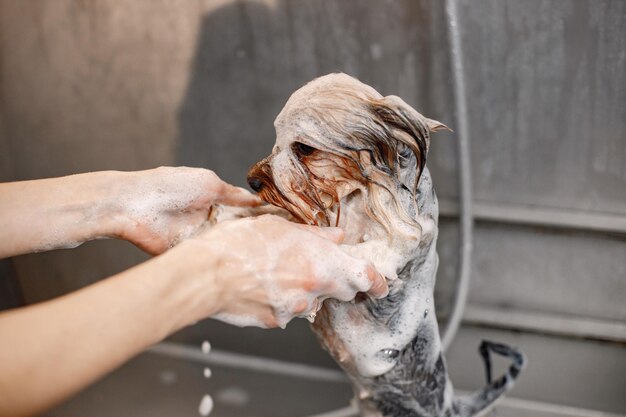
{"type": "Point", "coordinates": [96, 85]}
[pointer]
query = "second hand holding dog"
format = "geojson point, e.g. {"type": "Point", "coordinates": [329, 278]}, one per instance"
{"type": "Point", "coordinates": [265, 271]}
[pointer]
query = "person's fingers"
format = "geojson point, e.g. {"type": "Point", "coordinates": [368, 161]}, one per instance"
{"type": "Point", "coordinates": [269, 321]}
{"type": "Point", "coordinates": [236, 196]}
{"type": "Point", "coordinates": [334, 234]}
{"type": "Point", "coordinates": [379, 288]}
{"type": "Point", "coordinates": [352, 275]}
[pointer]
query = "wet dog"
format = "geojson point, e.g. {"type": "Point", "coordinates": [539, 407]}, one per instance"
{"type": "Point", "coordinates": [346, 156]}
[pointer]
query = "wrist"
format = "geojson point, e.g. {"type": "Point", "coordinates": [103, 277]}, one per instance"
{"type": "Point", "coordinates": [99, 203]}
{"type": "Point", "coordinates": [189, 274]}
{"type": "Point", "coordinates": [72, 210]}
{"type": "Point", "coordinates": [117, 201]}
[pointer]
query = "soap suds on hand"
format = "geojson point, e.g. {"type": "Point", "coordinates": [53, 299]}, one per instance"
{"type": "Point", "coordinates": [287, 303]}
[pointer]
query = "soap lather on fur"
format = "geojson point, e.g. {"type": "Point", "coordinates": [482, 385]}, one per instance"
{"type": "Point", "coordinates": [347, 156]}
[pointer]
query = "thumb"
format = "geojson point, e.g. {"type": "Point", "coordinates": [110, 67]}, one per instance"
{"type": "Point", "coordinates": [237, 196]}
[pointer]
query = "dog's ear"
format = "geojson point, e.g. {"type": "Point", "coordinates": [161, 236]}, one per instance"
{"type": "Point", "coordinates": [395, 111]}
{"type": "Point", "coordinates": [410, 129]}
{"type": "Point", "coordinates": [435, 126]}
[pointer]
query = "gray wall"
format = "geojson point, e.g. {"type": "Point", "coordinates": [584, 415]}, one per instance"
{"type": "Point", "coordinates": [108, 85]}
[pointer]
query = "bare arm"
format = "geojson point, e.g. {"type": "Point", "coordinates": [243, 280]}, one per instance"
{"type": "Point", "coordinates": [154, 209]}
{"type": "Point", "coordinates": [51, 350]}
{"type": "Point", "coordinates": [55, 213]}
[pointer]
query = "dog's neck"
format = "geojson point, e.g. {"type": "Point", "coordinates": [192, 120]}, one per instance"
{"type": "Point", "coordinates": [390, 348]}
{"type": "Point", "coordinates": [417, 385]}
{"type": "Point", "coordinates": [384, 339]}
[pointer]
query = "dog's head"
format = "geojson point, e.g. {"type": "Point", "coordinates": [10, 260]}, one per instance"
{"type": "Point", "coordinates": [339, 139]}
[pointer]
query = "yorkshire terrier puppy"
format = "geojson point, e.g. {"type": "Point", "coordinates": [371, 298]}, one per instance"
{"type": "Point", "coordinates": [346, 156]}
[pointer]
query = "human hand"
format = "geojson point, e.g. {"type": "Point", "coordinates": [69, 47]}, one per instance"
{"type": "Point", "coordinates": [160, 207]}
{"type": "Point", "coordinates": [264, 271]}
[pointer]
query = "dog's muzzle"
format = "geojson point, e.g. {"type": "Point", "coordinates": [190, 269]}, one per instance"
{"type": "Point", "coordinates": [255, 183]}
{"type": "Point", "coordinates": [260, 175]}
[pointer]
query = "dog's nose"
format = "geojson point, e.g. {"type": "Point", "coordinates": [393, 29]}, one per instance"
{"type": "Point", "coordinates": [255, 183]}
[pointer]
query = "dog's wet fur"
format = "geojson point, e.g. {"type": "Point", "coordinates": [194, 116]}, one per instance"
{"type": "Point", "coordinates": [347, 156]}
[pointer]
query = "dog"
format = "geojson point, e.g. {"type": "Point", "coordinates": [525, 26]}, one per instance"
{"type": "Point", "coordinates": [346, 156]}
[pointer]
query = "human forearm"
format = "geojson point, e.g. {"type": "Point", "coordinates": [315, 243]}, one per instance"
{"type": "Point", "coordinates": [51, 350]}
{"type": "Point", "coordinates": [154, 209]}
{"type": "Point", "coordinates": [61, 212]}
{"type": "Point", "coordinates": [261, 272]}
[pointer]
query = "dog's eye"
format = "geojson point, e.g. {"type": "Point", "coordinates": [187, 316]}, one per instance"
{"type": "Point", "coordinates": [404, 156]}
{"type": "Point", "coordinates": [303, 149]}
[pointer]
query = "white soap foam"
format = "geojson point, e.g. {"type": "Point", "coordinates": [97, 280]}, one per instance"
{"type": "Point", "coordinates": [239, 320]}
{"type": "Point", "coordinates": [369, 358]}
{"type": "Point", "coordinates": [168, 191]}
{"type": "Point", "coordinates": [206, 405]}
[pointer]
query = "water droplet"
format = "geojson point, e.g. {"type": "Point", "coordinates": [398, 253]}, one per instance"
{"type": "Point", "coordinates": [425, 313]}
{"type": "Point", "coordinates": [207, 373]}
{"type": "Point", "coordinates": [206, 405]}
{"type": "Point", "coordinates": [206, 347]}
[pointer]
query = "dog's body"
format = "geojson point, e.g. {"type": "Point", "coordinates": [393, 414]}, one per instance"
{"type": "Point", "coordinates": [347, 156]}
